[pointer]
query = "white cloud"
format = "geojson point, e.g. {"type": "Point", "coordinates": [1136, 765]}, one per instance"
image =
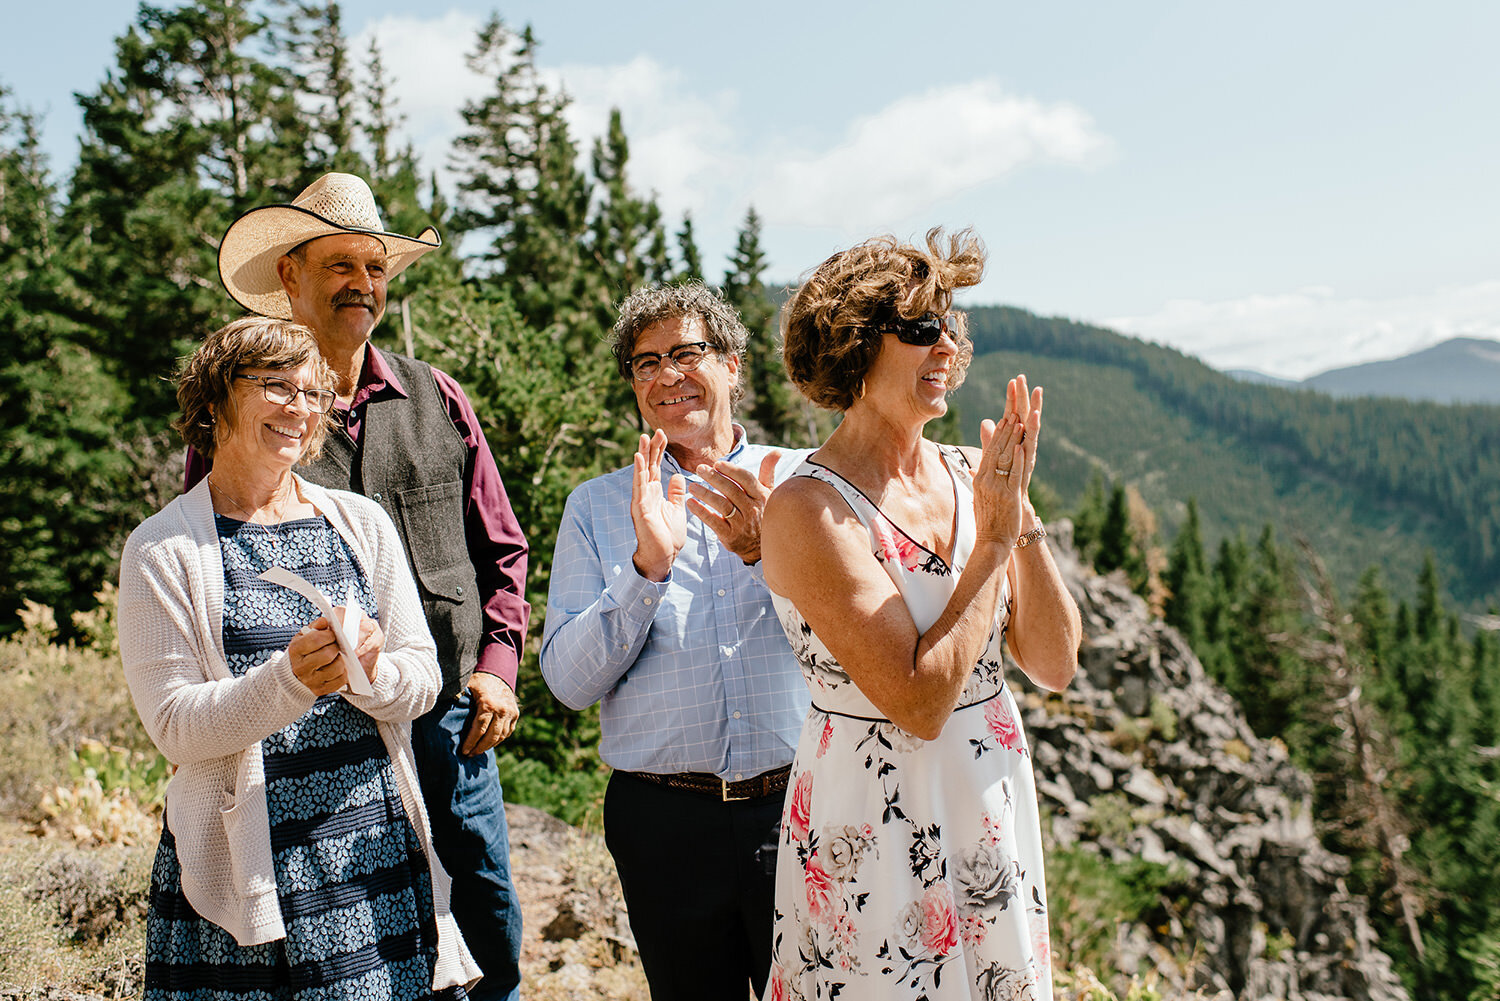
{"type": "Point", "coordinates": [889, 169]}
{"type": "Point", "coordinates": [682, 144]}
{"type": "Point", "coordinates": [432, 81]}
{"type": "Point", "coordinates": [1299, 334]}
{"type": "Point", "coordinates": [924, 149]}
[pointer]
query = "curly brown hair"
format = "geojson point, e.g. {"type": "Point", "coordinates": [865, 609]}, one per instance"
{"type": "Point", "coordinates": [653, 304]}
{"type": "Point", "coordinates": [205, 379]}
{"type": "Point", "coordinates": [831, 330]}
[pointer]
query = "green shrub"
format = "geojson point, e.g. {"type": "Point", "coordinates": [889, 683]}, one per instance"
{"type": "Point", "coordinates": [1091, 897]}
{"type": "Point", "coordinates": [72, 919]}
{"type": "Point", "coordinates": [1111, 817]}
{"type": "Point", "coordinates": [53, 699]}
{"type": "Point", "coordinates": [1279, 944]}
{"type": "Point", "coordinates": [574, 794]}
{"type": "Point", "coordinates": [1163, 718]}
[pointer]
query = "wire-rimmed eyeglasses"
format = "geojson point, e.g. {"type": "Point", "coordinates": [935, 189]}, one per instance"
{"type": "Point", "coordinates": [281, 392]}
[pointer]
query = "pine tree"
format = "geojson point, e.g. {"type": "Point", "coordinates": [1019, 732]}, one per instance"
{"type": "Point", "coordinates": [520, 187]}
{"type": "Point", "coordinates": [687, 247]}
{"type": "Point", "coordinates": [1187, 581]}
{"type": "Point", "coordinates": [309, 38]}
{"type": "Point", "coordinates": [1484, 670]}
{"type": "Point", "coordinates": [191, 127]}
{"type": "Point", "coordinates": [1272, 682]}
{"type": "Point", "coordinates": [1222, 616]}
{"type": "Point", "coordinates": [408, 202]}
{"type": "Point", "coordinates": [1346, 742]}
{"type": "Point", "coordinates": [1088, 520]}
{"type": "Point", "coordinates": [379, 119]}
{"type": "Point", "coordinates": [70, 490]}
{"type": "Point", "coordinates": [627, 237]}
{"type": "Point", "coordinates": [1118, 547]}
{"type": "Point", "coordinates": [773, 409]}
{"type": "Point", "coordinates": [1372, 615]}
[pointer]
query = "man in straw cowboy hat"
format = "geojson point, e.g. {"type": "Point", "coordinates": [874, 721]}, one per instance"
{"type": "Point", "coordinates": [406, 436]}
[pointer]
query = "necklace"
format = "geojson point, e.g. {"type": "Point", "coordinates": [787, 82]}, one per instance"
{"type": "Point", "coordinates": [275, 537]}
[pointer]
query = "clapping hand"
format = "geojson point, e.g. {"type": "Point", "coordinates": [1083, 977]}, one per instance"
{"type": "Point", "coordinates": [731, 499]}
{"type": "Point", "coordinates": [660, 517]}
{"type": "Point", "coordinates": [1003, 480]}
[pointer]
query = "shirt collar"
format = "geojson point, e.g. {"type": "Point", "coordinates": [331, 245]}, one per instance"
{"type": "Point", "coordinates": [376, 378]}
{"type": "Point", "coordinates": [733, 455]}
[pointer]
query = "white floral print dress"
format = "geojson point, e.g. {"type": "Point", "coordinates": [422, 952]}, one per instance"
{"type": "Point", "coordinates": [909, 869]}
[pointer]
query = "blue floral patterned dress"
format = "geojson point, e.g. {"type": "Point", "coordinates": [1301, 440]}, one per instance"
{"type": "Point", "coordinates": [909, 868]}
{"type": "Point", "coordinates": [353, 884]}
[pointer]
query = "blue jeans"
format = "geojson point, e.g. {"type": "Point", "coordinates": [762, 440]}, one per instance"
{"type": "Point", "coordinates": [467, 811]}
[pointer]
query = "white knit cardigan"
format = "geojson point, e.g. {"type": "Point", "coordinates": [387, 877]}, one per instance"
{"type": "Point", "coordinates": [210, 723]}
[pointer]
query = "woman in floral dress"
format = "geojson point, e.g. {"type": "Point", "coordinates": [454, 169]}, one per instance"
{"type": "Point", "coordinates": [910, 864]}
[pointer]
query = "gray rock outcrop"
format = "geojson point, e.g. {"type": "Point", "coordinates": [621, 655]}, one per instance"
{"type": "Point", "coordinates": [1144, 757]}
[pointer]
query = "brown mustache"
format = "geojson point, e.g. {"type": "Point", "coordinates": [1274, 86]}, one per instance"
{"type": "Point", "coordinates": [350, 297]}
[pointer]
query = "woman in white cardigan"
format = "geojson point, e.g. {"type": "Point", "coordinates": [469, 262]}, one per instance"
{"type": "Point", "coordinates": [296, 858]}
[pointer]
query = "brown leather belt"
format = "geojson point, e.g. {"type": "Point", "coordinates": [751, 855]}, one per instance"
{"type": "Point", "coordinates": [764, 784]}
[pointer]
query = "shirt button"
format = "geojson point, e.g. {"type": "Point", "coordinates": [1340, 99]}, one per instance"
{"type": "Point", "coordinates": [726, 651]}
{"type": "Point", "coordinates": [649, 600]}
{"type": "Point", "coordinates": [736, 714]}
{"type": "Point", "coordinates": [459, 590]}
{"type": "Point", "coordinates": [739, 776]}
{"type": "Point", "coordinates": [721, 592]}
{"type": "Point", "coordinates": [375, 497]}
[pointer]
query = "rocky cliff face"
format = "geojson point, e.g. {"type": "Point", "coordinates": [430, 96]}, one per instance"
{"type": "Point", "coordinates": [1146, 758]}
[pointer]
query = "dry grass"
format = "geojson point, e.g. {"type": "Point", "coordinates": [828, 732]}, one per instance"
{"type": "Point", "coordinates": [80, 811]}
{"type": "Point", "coordinates": [72, 918]}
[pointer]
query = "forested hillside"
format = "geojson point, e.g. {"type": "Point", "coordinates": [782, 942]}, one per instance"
{"type": "Point", "coordinates": [1365, 481]}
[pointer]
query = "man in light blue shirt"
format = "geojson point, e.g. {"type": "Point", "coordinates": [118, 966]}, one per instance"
{"type": "Point", "coordinates": [658, 610]}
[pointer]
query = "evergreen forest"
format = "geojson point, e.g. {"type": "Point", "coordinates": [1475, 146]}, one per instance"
{"type": "Point", "coordinates": [1331, 562]}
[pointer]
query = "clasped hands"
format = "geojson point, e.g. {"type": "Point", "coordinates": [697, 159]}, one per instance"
{"type": "Point", "coordinates": [314, 654]}
{"type": "Point", "coordinates": [315, 659]}
{"type": "Point", "coordinates": [730, 501]}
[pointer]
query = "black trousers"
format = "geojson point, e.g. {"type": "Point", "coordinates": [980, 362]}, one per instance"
{"type": "Point", "coordinates": [699, 877]}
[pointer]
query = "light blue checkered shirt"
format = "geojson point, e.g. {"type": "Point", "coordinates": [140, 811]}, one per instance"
{"type": "Point", "coordinates": [693, 674]}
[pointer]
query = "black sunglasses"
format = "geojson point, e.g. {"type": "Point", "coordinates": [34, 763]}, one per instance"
{"type": "Point", "coordinates": [925, 330]}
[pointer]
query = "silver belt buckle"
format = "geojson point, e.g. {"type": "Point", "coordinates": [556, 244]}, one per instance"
{"type": "Point", "coordinates": [724, 785]}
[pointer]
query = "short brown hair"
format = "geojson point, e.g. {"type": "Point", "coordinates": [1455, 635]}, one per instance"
{"type": "Point", "coordinates": [205, 381]}
{"type": "Point", "coordinates": [652, 304]}
{"type": "Point", "coordinates": [832, 327]}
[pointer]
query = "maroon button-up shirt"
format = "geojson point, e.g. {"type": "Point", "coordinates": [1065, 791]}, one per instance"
{"type": "Point", "coordinates": [496, 545]}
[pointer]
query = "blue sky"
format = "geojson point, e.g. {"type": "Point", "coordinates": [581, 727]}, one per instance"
{"type": "Point", "coordinates": [1281, 186]}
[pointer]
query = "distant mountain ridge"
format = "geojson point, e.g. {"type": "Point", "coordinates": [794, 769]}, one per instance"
{"type": "Point", "coordinates": [1460, 370]}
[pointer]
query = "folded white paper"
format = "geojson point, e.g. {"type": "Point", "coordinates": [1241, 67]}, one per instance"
{"type": "Point", "coordinates": [345, 630]}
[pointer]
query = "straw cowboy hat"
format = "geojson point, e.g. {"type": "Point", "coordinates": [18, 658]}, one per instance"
{"type": "Point", "coordinates": [331, 205]}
